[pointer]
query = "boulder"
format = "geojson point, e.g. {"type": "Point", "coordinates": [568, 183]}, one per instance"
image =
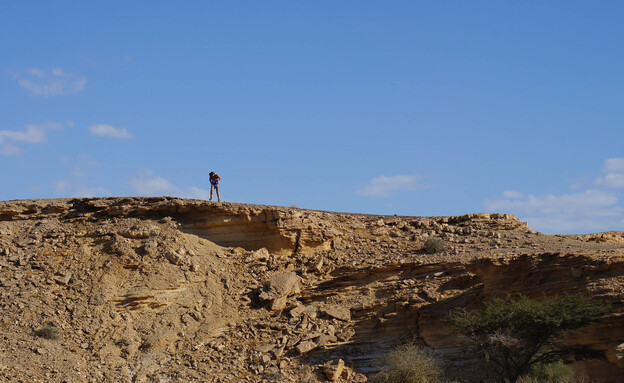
{"type": "Point", "coordinates": [260, 255]}
{"type": "Point", "coordinates": [280, 286]}
{"type": "Point", "coordinates": [333, 369]}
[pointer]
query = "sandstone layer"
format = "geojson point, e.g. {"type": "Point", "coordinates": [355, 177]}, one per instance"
{"type": "Point", "coordinates": [175, 290]}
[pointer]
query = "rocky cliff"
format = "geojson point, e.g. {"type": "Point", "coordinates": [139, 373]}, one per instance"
{"type": "Point", "coordinates": [167, 289]}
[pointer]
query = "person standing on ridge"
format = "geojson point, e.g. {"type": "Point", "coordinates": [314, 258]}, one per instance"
{"type": "Point", "coordinates": [214, 184]}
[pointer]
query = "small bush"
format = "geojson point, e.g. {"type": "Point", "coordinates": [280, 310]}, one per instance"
{"type": "Point", "coordinates": [409, 364]}
{"type": "Point", "coordinates": [557, 372]}
{"type": "Point", "coordinates": [48, 331]}
{"type": "Point", "coordinates": [434, 245]}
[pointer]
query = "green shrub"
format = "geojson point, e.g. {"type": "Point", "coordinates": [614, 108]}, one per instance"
{"type": "Point", "coordinates": [557, 372]}
{"type": "Point", "coordinates": [434, 245]}
{"type": "Point", "coordinates": [48, 331]}
{"type": "Point", "coordinates": [515, 334]}
{"type": "Point", "coordinates": [409, 364]}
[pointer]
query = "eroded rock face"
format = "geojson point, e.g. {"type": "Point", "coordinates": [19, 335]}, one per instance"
{"type": "Point", "coordinates": [149, 289]}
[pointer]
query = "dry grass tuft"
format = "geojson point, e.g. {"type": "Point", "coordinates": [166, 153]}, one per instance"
{"type": "Point", "coordinates": [409, 364]}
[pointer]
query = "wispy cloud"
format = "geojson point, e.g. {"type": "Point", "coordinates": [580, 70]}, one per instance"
{"type": "Point", "coordinates": [8, 149]}
{"type": "Point", "coordinates": [614, 177]}
{"type": "Point", "coordinates": [193, 192]}
{"type": "Point", "coordinates": [108, 131]}
{"type": "Point", "coordinates": [383, 186]}
{"type": "Point", "coordinates": [591, 210]}
{"type": "Point", "coordinates": [596, 207]}
{"type": "Point", "coordinates": [150, 184]}
{"type": "Point", "coordinates": [33, 134]}
{"type": "Point", "coordinates": [587, 202]}
{"type": "Point", "coordinates": [53, 82]}
{"type": "Point", "coordinates": [614, 165]}
{"type": "Point", "coordinates": [87, 191]}
{"type": "Point", "coordinates": [69, 189]}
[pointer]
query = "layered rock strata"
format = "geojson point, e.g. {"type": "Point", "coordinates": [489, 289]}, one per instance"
{"type": "Point", "coordinates": [168, 289]}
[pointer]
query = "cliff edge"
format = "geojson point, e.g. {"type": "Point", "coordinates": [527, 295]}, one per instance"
{"type": "Point", "coordinates": [174, 290]}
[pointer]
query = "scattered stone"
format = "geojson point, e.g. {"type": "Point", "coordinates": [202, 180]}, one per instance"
{"type": "Point", "coordinates": [306, 346]}
{"type": "Point", "coordinates": [279, 303]}
{"type": "Point", "coordinates": [210, 300]}
{"type": "Point", "coordinates": [266, 348]}
{"type": "Point", "coordinates": [150, 247]}
{"type": "Point", "coordinates": [318, 266]}
{"type": "Point", "coordinates": [297, 311]}
{"type": "Point", "coordinates": [259, 255]}
{"type": "Point", "coordinates": [97, 300]}
{"type": "Point", "coordinates": [62, 279]}
{"type": "Point", "coordinates": [338, 312]}
{"type": "Point", "coordinates": [325, 339]}
{"type": "Point", "coordinates": [346, 334]}
{"type": "Point", "coordinates": [292, 342]}
{"type": "Point", "coordinates": [278, 351]}
{"type": "Point", "coordinates": [333, 369]}
{"type": "Point", "coordinates": [311, 312]}
{"type": "Point", "coordinates": [174, 257]}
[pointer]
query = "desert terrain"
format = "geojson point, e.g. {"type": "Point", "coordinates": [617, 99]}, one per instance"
{"type": "Point", "coordinates": [166, 289]}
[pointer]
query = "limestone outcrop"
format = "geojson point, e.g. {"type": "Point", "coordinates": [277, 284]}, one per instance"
{"type": "Point", "coordinates": [169, 289]}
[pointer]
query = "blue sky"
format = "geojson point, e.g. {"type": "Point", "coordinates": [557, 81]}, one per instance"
{"type": "Point", "coordinates": [404, 107]}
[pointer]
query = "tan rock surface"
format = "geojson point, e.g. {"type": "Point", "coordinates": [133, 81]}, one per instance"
{"type": "Point", "coordinates": [168, 289]}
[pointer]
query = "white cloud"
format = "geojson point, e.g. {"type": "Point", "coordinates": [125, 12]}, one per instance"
{"type": "Point", "coordinates": [7, 149]}
{"type": "Point", "coordinates": [68, 189]}
{"type": "Point", "coordinates": [149, 184]}
{"type": "Point", "coordinates": [512, 194]}
{"type": "Point", "coordinates": [591, 210]}
{"type": "Point", "coordinates": [383, 186]}
{"type": "Point", "coordinates": [590, 200]}
{"type": "Point", "coordinates": [78, 172]}
{"type": "Point", "coordinates": [561, 224]}
{"type": "Point", "coordinates": [104, 130]}
{"type": "Point", "coordinates": [194, 192]}
{"type": "Point", "coordinates": [614, 179]}
{"type": "Point", "coordinates": [611, 181]}
{"type": "Point", "coordinates": [53, 82]}
{"type": "Point", "coordinates": [86, 191]}
{"type": "Point", "coordinates": [62, 187]}
{"type": "Point", "coordinates": [33, 134]}
{"type": "Point", "coordinates": [614, 165]}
